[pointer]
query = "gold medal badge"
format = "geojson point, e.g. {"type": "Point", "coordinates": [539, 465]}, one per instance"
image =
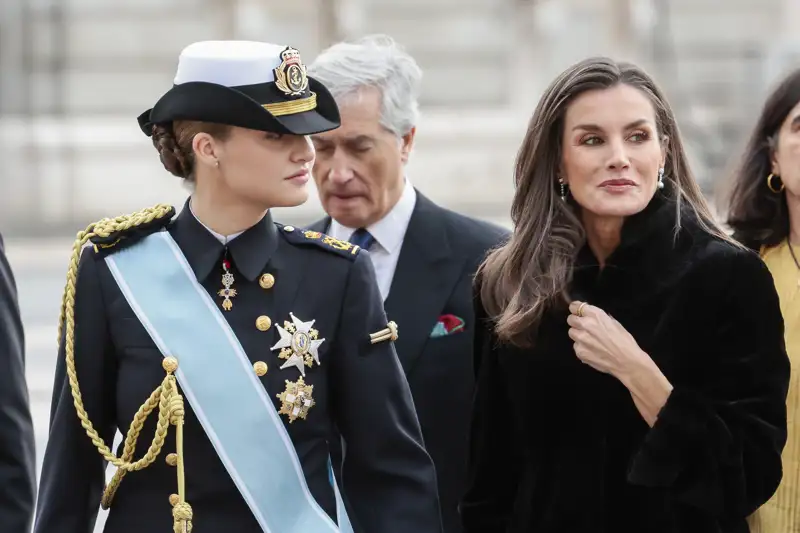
{"type": "Point", "coordinates": [296, 400]}
{"type": "Point", "coordinates": [227, 292]}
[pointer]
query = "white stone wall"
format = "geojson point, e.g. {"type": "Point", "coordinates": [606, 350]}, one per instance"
{"type": "Point", "coordinates": [486, 62]}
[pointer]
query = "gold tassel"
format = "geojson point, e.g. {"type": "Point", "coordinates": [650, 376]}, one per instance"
{"type": "Point", "coordinates": [181, 511]}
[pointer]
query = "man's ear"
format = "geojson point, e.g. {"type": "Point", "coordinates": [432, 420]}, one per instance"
{"type": "Point", "coordinates": [407, 141]}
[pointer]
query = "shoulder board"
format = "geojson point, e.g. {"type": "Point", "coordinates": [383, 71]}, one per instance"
{"type": "Point", "coordinates": [112, 234]}
{"type": "Point", "coordinates": [315, 238]}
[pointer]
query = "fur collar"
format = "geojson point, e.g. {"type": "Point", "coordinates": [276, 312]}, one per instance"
{"type": "Point", "coordinates": [653, 253]}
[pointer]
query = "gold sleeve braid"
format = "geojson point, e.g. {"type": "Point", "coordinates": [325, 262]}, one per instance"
{"type": "Point", "coordinates": [166, 397]}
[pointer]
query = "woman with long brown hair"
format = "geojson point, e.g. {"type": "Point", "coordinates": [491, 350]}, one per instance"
{"type": "Point", "coordinates": [632, 372]}
{"type": "Point", "coordinates": [764, 213]}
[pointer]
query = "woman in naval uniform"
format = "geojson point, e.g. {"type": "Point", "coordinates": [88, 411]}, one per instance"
{"type": "Point", "coordinates": [224, 346]}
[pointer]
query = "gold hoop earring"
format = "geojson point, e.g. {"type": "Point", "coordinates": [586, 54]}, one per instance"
{"type": "Point", "coordinates": [771, 186]}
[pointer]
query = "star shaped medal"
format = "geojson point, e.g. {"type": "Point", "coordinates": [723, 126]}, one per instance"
{"type": "Point", "coordinates": [298, 345]}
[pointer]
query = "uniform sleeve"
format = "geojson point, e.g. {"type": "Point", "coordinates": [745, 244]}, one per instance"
{"type": "Point", "coordinates": [388, 478]}
{"type": "Point", "coordinates": [491, 482]}
{"type": "Point", "coordinates": [17, 454]}
{"type": "Point", "coordinates": [717, 442]}
{"type": "Point", "coordinates": [73, 472]}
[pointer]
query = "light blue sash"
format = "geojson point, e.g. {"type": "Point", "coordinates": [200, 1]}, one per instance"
{"type": "Point", "coordinates": [219, 382]}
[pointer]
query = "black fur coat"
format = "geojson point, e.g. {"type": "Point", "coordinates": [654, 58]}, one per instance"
{"type": "Point", "coordinates": [558, 447]}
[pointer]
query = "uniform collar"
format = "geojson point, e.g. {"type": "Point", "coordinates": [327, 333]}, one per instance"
{"type": "Point", "coordinates": [391, 229]}
{"type": "Point", "coordinates": [250, 251]}
{"type": "Point", "coordinates": [224, 239]}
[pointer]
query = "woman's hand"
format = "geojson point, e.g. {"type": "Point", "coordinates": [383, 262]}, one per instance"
{"type": "Point", "coordinates": [604, 344]}
{"type": "Point", "coordinates": [601, 342]}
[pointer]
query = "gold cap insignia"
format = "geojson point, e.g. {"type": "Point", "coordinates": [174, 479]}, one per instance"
{"type": "Point", "coordinates": [290, 75]}
{"type": "Point", "coordinates": [299, 344]}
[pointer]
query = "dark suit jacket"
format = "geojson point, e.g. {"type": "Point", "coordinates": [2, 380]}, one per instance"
{"type": "Point", "coordinates": [434, 274]}
{"type": "Point", "coordinates": [17, 455]}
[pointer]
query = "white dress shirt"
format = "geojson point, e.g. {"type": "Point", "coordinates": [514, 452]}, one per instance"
{"type": "Point", "coordinates": [389, 233]}
{"type": "Point", "coordinates": [221, 238]}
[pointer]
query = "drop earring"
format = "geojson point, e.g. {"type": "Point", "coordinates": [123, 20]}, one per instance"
{"type": "Point", "coordinates": [563, 189]}
{"type": "Point", "coordinates": [661, 178]}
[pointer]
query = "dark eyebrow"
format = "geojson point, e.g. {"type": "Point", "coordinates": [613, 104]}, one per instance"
{"type": "Point", "coordinates": [595, 127]}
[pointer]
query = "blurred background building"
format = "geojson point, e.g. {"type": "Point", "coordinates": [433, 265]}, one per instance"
{"type": "Point", "coordinates": [74, 74]}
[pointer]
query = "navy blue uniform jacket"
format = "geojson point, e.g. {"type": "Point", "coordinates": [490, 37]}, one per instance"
{"type": "Point", "coordinates": [389, 479]}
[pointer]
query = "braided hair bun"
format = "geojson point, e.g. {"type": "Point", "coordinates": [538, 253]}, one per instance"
{"type": "Point", "coordinates": [174, 159]}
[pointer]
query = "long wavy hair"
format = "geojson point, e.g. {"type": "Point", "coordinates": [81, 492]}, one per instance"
{"type": "Point", "coordinates": [531, 273]}
{"type": "Point", "coordinates": [757, 215]}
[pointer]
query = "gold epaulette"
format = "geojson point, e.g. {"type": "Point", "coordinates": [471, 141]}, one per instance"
{"type": "Point", "coordinates": [108, 235]}
{"type": "Point", "coordinates": [321, 240]}
{"type": "Point", "coordinates": [112, 234]}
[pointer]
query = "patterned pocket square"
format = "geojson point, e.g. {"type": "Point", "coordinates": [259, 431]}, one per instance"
{"type": "Point", "coordinates": [447, 325]}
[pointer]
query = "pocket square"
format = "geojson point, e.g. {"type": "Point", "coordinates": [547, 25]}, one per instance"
{"type": "Point", "coordinates": [447, 325]}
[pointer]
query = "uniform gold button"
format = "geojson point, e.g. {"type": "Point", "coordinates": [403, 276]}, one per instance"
{"type": "Point", "coordinates": [266, 281]}
{"type": "Point", "coordinates": [288, 229]}
{"type": "Point", "coordinates": [174, 499]}
{"type": "Point", "coordinates": [170, 364]}
{"type": "Point", "coordinates": [260, 367]}
{"type": "Point", "coordinates": [172, 459]}
{"type": "Point", "coordinates": [263, 323]}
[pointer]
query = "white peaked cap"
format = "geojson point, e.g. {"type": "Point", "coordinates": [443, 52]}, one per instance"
{"type": "Point", "coordinates": [229, 63]}
{"type": "Point", "coordinates": [255, 85]}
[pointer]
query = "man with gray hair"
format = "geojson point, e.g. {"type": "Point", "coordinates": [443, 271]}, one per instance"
{"type": "Point", "coordinates": [424, 256]}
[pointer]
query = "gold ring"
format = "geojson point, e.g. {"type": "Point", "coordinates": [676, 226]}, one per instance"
{"type": "Point", "coordinates": [579, 312]}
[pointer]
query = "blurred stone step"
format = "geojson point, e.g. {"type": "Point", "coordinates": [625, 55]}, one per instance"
{"type": "Point", "coordinates": [451, 6]}
{"type": "Point", "coordinates": [150, 35]}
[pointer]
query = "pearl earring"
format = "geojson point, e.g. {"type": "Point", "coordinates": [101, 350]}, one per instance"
{"type": "Point", "coordinates": [563, 189]}
{"type": "Point", "coordinates": [661, 178]}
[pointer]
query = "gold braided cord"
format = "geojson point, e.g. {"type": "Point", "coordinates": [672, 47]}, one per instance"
{"type": "Point", "coordinates": [165, 397]}
{"type": "Point", "coordinates": [292, 107]}
{"type": "Point", "coordinates": [181, 511]}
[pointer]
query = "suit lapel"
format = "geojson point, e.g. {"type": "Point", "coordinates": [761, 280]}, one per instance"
{"type": "Point", "coordinates": [423, 281]}
{"type": "Point", "coordinates": [322, 225]}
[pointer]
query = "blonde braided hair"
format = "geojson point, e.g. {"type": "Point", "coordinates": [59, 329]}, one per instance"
{"type": "Point", "coordinates": [166, 397]}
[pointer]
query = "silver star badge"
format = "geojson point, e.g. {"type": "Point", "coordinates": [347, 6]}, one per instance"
{"type": "Point", "coordinates": [298, 345]}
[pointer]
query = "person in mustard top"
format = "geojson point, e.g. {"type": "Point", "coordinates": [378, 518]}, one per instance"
{"type": "Point", "coordinates": [764, 212]}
